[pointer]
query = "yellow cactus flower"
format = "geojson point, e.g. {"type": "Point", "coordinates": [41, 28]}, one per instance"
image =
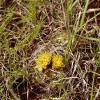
{"type": "Point", "coordinates": [57, 61]}
{"type": "Point", "coordinates": [43, 60]}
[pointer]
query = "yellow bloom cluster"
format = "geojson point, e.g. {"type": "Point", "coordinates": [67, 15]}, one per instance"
{"type": "Point", "coordinates": [45, 58]}
{"type": "Point", "coordinates": [57, 61]}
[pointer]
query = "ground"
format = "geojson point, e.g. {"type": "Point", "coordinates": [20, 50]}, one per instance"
{"type": "Point", "coordinates": [68, 28]}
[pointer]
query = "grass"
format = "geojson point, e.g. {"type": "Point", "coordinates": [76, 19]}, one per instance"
{"type": "Point", "coordinates": [67, 27]}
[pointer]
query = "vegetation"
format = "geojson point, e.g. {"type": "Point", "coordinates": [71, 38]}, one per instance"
{"type": "Point", "coordinates": [49, 50]}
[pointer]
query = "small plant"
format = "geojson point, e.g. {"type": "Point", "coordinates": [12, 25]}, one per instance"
{"type": "Point", "coordinates": [57, 61]}
{"type": "Point", "coordinates": [43, 60]}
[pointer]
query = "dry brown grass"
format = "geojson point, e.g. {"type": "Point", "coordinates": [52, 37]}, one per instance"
{"type": "Point", "coordinates": [29, 27]}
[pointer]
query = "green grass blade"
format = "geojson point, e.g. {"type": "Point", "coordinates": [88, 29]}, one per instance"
{"type": "Point", "coordinates": [92, 39]}
{"type": "Point", "coordinates": [5, 23]}
{"type": "Point", "coordinates": [30, 36]}
{"type": "Point", "coordinates": [79, 29]}
{"type": "Point", "coordinates": [32, 9]}
{"type": "Point", "coordinates": [84, 12]}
